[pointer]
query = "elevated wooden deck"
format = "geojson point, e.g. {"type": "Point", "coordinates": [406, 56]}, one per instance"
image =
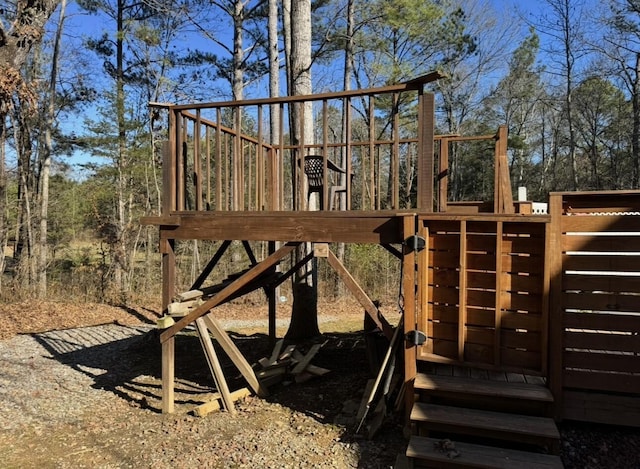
{"type": "Point", "coordinates": [376, 227]}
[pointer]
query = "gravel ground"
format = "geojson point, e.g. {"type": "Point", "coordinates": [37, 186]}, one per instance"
{"type": "Point", "coordinates": [90, 397]}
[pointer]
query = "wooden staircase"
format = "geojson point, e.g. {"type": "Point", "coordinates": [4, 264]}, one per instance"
{"type": "Point", "coordinates": [460, 422]}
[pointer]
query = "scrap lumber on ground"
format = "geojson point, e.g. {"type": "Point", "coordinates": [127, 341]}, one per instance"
{"type": "Point", "coordinates": [288, 364]}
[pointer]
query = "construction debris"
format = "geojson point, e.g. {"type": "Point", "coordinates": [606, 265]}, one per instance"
{"type": "Point", "coordinates": [288, 365]}
{"type": "Point", "coordinates": [216, 402]}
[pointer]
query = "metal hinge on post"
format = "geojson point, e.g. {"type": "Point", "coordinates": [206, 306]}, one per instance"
{"type": "Point", "coordinates": [415, 337]}
{"type": "Point", "coordinates": [415, 242]}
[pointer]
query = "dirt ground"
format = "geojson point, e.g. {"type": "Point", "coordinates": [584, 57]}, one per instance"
{"type": "Point", "coordinates": [80, 387]}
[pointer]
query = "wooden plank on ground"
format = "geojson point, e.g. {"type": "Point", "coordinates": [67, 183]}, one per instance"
{"type": "Point", "coordinates": [235, 355]}
{"type": "Point", "coordinates": [302, 364]}
{"type": "Point", "coordinates": [365, 399]}
{"type": "Point", "coordinates": [276, 352]}
{"type": "Point", "coordinates": [214, 404]}
{"type": "Point", "coordinates": [189, 295]}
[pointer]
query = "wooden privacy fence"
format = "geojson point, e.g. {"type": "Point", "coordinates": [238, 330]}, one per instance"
{"type": "Point", "coordinates": [482, 291]}
{"type": "Point", "coordinates": [595, 306]}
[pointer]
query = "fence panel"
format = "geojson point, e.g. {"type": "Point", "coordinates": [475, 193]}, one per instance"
{"type": "Point", "coordinates": [600, 307]}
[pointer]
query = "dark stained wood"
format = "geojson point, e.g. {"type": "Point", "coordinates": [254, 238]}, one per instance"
{"type": "Point", "coordinates": [602, 381]}
{"type": "Point", "coordinates": [443, 385]}
{"type": "Point", "coordinates": [426, 152]}
{"type": "Point", "coordinates": [603, 322]}
{"type": "Point", "coordinates": [228, 291]}
{"type": "Point", "coordinates": [602, 408]}
{"type": "Point", "coordinates": [352, 227]}
{"type": "Point", "coordinates": [477, 456]}
{"type": "Point", "coordinates": [602, 301]}
{"type": "Point", "coordinates": [510, 427]}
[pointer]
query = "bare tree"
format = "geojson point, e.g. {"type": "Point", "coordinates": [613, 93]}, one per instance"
{"type": "Point", "coordinates": [22, 28]}
{"type": "Point", "coordinates": [304, 320]}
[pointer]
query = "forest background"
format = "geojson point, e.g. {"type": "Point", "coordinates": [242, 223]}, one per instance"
{"type": "Point", "coordinates": [79, 145]}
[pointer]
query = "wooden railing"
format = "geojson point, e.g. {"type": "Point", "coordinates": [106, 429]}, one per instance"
{"type": "Point", "coordinates": [241, 155]}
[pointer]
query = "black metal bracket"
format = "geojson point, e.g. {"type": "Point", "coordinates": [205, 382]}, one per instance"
{"type": "Point", "coordinates": [415, 243]}
{"type": "Point", "coordinates": [415, 337]}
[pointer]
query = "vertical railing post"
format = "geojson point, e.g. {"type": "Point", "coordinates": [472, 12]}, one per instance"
{"type": "Point", "coordinates": [425, 151]}
{"type": "Point", "coordinates": [556, 308]}
{"type": "Point", "coordinates": [443, 174]}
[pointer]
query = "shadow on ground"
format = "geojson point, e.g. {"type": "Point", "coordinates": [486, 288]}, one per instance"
{"type": "Point", "coordinates": [127, 361]}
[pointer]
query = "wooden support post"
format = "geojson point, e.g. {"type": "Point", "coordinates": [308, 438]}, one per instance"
{"type": "Point", "coordinates": [462, 298]}
{"type": "Point", "coordinates": [409, 323]}
{"type": "Point", "coordinates": [497, 337]}
{"type": "Point", "coordinates": [359, 294]}
{"type": "Point", "coordinates": [229, 290]}
{"type": "Point", "coordinates": [168, 376]}
{"type": "Point", "coordinates": [167, 248]}
{"type": "Point", "coordinates": [556, 309]}
{"type": "Point", "coordinates": [214, 366]}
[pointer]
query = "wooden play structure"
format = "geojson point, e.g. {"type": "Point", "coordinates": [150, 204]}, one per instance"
{"type": "Point", "coordinates": [511, 320]}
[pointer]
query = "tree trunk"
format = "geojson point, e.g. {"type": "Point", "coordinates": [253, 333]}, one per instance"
{"type": "Point", "coordinates": [47, 150]}
{"type": "Point", "coordinates": [304, 316]}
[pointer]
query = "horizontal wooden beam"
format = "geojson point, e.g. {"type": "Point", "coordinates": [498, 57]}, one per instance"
{"type": "Point", "coordinates": [326, 227]}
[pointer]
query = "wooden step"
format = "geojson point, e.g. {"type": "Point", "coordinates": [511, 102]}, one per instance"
{"type": "Point", "coordinates": [540, 431]}
{"type": "Point", "coordinates": [428, 452]}
{"type": "Point", "coordinates": [447, 385]}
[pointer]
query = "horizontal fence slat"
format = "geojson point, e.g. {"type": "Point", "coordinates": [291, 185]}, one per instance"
{"type": "Point", "coordinates": [481, 243]}
{"type": "Point", "coordinates": [445, 348]}
{"type": "Point", "coordinates": [524, 359]}
{"type": "Point", "coordinates": [601, 263]}
{"type": "Point", "coordinates": [523, 246]}
{"type": "Point", "coordinates": [601, 302]}
{"type": "Point", "coordinates": [443, 277]}
{"type": "Point", "coordinates": [449, 295]}
{"type": "Point", "coordinates": [444, 313]}
{"type": "Point", "coordinates": [445, 331]}
{"type": "Point", "coordinates": [481, 261]}
{"type": "Point", "coordinates": [444, 259]}
{"type": "Point", "coordinates": [524, 264]}
{"type": "Point", "coordinates": [528, 321]}
{"type": "Point", "coordinates": [521, 302]}
{"type": "Point", "coordinates": [480, 317]}
{"type": "Point", "coordinates": [601, 381]}
{"type": "Point", "coordinates": [590, 243]}
{"type": "Point", "coordinates": [602, 408]}
{"type": "Point", "coordinates": [481, 298]}
{"type": "Point", "coordinates": [615, 342]}
{"type": "Point", "coordinates": [481, 280]}
{"type": "Point", "coordinates": [605, 283]}
{"type": "Point", "coordinates": [524, 283]}
{"type": "Point", "coordinates": [612, 223]}
{"type": "Point", "coordinates": [444, 242]}
{"type": "Point", "coordinates": [602, 321]}
{"type": "Point", "coordinates": [526, 340]}
{"type": "Point", "coordinates": [533, 230]}
{"type": "Point", "coordinates": [478, 353]}
{"type": "Point", "coordinates": [601, 361]}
